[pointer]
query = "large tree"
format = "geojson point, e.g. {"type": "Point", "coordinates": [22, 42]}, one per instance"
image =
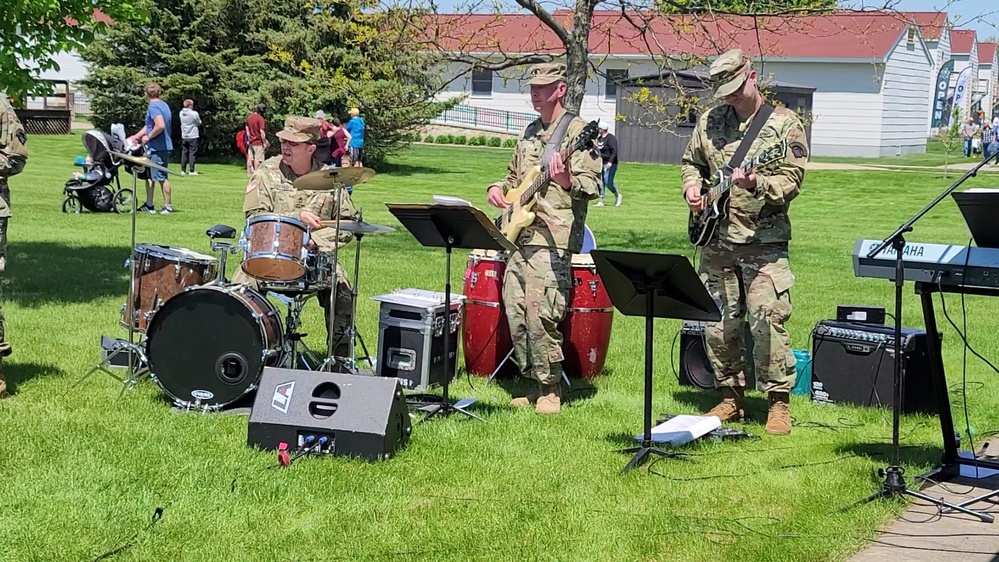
{"type": "Point", "coordinates": [297, 57]}
{"type": "Point", "coordinates": [33, 31]}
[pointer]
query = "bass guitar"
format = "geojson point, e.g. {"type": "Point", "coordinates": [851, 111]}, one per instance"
{"type": "Point", "coordinates": [518, 216]}
{"type": "Point", "coordinates": [702, 226]}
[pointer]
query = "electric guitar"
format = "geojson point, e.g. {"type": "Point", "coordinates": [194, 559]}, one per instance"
{"type": "Point", "coordinates": [518, 216]}
{"type": "Point", "coordinates": [702, 226]}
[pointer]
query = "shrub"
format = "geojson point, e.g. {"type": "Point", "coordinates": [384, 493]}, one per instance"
{"type": "Point", "coordinates": [495, 142]}
{"type": "Point", "coordinates": [429, 139]}
{"type": "Point", "coordinates": [460, 139]}
{"type": "Point", "coordinates": [510, 143]}
{"type": "Point", "coordinates": [444, 139]}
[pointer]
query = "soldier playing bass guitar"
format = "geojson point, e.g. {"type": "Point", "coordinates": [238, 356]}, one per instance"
{"type": "Point", "coordinates": [536, 284]}
{"type": "Point", "coordinates": [745, 257]}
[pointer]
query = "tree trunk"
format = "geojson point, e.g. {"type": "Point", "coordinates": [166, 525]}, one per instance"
{"type": "Point", "coordinates": [577, 54]}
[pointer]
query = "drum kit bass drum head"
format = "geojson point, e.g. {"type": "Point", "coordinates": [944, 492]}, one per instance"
{"type": "Point", "coordinates": [207, 340]}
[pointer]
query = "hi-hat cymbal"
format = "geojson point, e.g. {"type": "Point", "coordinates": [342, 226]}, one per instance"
{"type": "Point", "coordinates": [326, 180]}
{"type": "Point", "coordinates": [359, 227]}
{"type": "Point", "coordinates": [140, 160]}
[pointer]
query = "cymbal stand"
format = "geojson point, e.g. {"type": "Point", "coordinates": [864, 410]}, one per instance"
{"type": "Point", "coordinates": [137, 371]}
{"type": "Point", "coordinates": [352, 332]}
{"type": "Point", "coordinates": [330, 359]}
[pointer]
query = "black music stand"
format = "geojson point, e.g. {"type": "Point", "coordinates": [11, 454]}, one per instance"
{"type": "Point", "coordinates": [653, 286]}
{"type": "Point", "coordinates": [449, 226]}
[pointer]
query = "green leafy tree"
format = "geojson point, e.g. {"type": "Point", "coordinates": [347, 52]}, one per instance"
{"type": "Point", "coordinates": [297, 57]}
{"type": "Point", "coordinates": [951, 138]}
{"type": "Point", "coordinates": [33, 31]}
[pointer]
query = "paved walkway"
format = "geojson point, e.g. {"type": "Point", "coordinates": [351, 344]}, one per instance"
{"type": "Point", "coordinates": [924, 534]}
{"type": "Point", "coordinates": [956, 167]}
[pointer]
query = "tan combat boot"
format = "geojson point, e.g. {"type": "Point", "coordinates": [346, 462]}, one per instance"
{"type": "Point", "coordinates": [550, 401]}
{"type": "Point", "coordinates": [529, 400]}
{"type": "Point", "coordinates": [779, 417]}
{"type": "Point", "coordinates": [3, 382]}
{"type": "Point", "coordinates": [731, 407]}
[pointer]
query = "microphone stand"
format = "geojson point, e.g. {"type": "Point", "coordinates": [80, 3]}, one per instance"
{"type": "Point", "coordinates": [894, 483]}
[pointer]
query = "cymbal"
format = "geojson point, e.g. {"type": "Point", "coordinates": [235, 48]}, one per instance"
{"type": "Point", "coordinates": [325, 180]}
{"type": "Point", "coordinates": [359, 227]}
{"type": "Point", "coordinates": [141, 161]}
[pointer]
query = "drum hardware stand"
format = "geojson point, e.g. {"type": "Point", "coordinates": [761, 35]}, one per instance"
{"type": "Point", "coordinates": [129, 347]}
{"type": "Point", "coordinates": [509, 355]}
{"type": "Point", "coordinates": [331, 361]}
{"type": "Point", "coordinates": [298, 352]}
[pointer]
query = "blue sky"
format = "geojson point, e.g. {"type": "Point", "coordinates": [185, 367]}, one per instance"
{"type": "Point", "coordinates": [980, 15]}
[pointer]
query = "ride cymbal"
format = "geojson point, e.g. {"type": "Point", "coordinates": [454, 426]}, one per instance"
{"type": "Point", "coordinates": [359, 227]}
{"type": "Point", "coordinates": [140, 161]}
{"type": "Point", "coordinates": [327, 180]}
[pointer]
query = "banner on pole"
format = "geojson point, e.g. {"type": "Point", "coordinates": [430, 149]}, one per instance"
{"type": "Point", "coordinates": [940, 106]}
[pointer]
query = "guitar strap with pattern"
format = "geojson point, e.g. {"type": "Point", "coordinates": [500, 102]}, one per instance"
{"type": "Point", "coordinates": [551, 147]}
{"type": "Point", "coordinates": [754, 130]}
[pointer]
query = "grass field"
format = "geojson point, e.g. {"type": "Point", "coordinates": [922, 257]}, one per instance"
{"type": "Point", "coordinates": [84, 471]}
{"type": "Point", "coordinates": [935, 155]}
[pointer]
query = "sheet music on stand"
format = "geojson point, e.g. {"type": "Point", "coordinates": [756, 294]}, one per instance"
{"type": "Point", "coordinates": [451, 201]}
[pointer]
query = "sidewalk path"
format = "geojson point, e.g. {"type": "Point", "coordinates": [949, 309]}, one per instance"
{"type": "Point", "coordinates": [956, 167]}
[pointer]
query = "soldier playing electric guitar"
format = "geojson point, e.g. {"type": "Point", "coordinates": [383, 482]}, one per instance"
{"type": "Point", "coordinates": [745, 260]}
{"type": "Point", "coordinates": [536, 284]}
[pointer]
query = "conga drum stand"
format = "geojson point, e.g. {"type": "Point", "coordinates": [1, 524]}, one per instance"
{"type": "Point", "coordinates": [448, 227]}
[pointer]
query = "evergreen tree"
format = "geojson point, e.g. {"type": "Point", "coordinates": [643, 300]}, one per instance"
{"type": "Point", "coordinates": [297, 57]}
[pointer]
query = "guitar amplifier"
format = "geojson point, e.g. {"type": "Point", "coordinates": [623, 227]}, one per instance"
{"type": "Point", "coordinates": [411, 337]}
{"type": "Point", "coordinates": [854, 363]}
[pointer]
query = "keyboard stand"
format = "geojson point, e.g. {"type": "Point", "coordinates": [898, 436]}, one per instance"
{"type": "Point", "coordinates": [954, 464]}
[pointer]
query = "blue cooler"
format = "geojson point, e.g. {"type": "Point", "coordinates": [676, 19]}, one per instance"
{"type": "Point", "coordinates": [803, 382]}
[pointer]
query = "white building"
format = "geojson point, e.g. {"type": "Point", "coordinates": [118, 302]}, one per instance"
{"type": "Point", "coordinates": [988, 78]}
{"type": "Point", "coordinates": [964, 53]}
{"type": "Point", "coordinates": [872, 71]}
{"type": "Point", "coordinates": [935, 29]}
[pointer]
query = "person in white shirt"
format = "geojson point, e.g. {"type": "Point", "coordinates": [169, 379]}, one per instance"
{"type": "Point", "coordinates": [189, 123]}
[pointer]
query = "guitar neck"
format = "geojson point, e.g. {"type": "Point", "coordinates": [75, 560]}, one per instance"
{"type": "Point", "coordinates": [724, 185]}
{"type": "Point", "coordinates": [546, 175]}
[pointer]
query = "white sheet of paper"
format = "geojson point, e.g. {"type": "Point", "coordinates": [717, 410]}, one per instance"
{"type": "Point", "coordinates": [683, 429]}
{"type": "Point", "coordinates": [453, 201]}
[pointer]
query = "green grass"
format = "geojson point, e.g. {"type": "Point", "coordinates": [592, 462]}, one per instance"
{"type": "Point", "coordinates": [83, 470]}
{"type": "Point", "coordinates": [935, 155]}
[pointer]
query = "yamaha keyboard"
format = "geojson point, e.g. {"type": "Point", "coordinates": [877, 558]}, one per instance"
{"type": "Point", "coordinates": [943, 264]}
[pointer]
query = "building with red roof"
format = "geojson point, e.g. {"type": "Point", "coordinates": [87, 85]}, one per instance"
{"type": "Point", "coordinates": [872, 71]}
{"type": "Point", "coordinates": [964, 80]}
{"type": "Point", "coordinates": [988, 80]}
{"type": "Point", "coordinates": [935, 27]}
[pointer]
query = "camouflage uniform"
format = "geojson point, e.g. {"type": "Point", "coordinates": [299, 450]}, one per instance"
{"type": "Point", "coordinates": [745, 267]}
{"type": "Point", "coordinates": [13, 156]}
{"type": "Point", "coordinates": [537, 280]}
{"type": "Point", "coordinates": [271, 191]}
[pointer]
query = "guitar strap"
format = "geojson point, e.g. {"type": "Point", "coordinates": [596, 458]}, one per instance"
{"type": "Point", "coordinates": [551, 147]}
{"type": "Point", "coordinates": [754, 130]}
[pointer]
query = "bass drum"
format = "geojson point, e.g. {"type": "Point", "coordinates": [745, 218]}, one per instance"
{"type": "Point", "coordinates": [208, 346]}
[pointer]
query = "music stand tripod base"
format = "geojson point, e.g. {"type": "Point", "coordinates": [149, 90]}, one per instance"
{"type": "Point", "coordinates": [653, 286]}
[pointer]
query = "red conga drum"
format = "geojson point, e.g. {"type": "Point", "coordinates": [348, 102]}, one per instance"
{"type": "Point", "coordinates": [485, 331]}
{"type": "Point", "coordinates": [586, 329]}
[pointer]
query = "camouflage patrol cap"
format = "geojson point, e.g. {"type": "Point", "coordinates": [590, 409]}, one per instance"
{"type": "Point", "coordinates": [546, 73]}
{"type": "Point", "coordinates": [729, 71]}
{"type": "Point", "coordinates": [300, 129]}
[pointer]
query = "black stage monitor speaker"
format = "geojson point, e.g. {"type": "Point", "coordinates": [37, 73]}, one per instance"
{"type": "Point", "coordinates": [854, 363]}
{"type": "Point", "coordinates": [695, 367]}
{"type": "Point", "coordinates": [329, 413]}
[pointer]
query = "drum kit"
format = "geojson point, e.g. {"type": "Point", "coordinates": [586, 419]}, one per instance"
{"type": "Point", "coordinates": [586, 328]}
{"type": "Point", "coordinates": [204, 340]}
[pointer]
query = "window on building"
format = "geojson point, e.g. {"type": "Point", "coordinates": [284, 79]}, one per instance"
{"type": "Point", "coordinates": [482, 82]}
{"type": "Point", "coordinates": [614, 76]}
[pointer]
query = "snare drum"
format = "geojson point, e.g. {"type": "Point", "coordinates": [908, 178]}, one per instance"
{"type": "Point", "coordinates": [208, 346]}
{"type": "Point", "coordinates": [275, 248]}
{"type": "Point", "coordinates": [586, 328]}
{"type": "Point", "coordinates": [486, 332]}
{"type": "Point", "coordinates": [318, 276]}
{"type": "Point", "coordinates": [160, 272]}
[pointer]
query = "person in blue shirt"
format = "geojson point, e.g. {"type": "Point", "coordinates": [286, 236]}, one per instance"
{"type": "Point", "coordinates": [156, 136]}
{"type": "Point", "coordinates": [356, 129]}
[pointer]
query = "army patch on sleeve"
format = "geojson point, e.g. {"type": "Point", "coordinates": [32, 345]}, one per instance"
{"type": "Point", "coordinates": [798, 150]}
{"type": "Point", "coordinates": [21, 137]}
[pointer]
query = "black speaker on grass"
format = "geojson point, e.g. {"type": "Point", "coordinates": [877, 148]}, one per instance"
{"type": "Point", "coordinates": [695, 367]}
{"type": "Point", "coordinates": [329, 413]}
